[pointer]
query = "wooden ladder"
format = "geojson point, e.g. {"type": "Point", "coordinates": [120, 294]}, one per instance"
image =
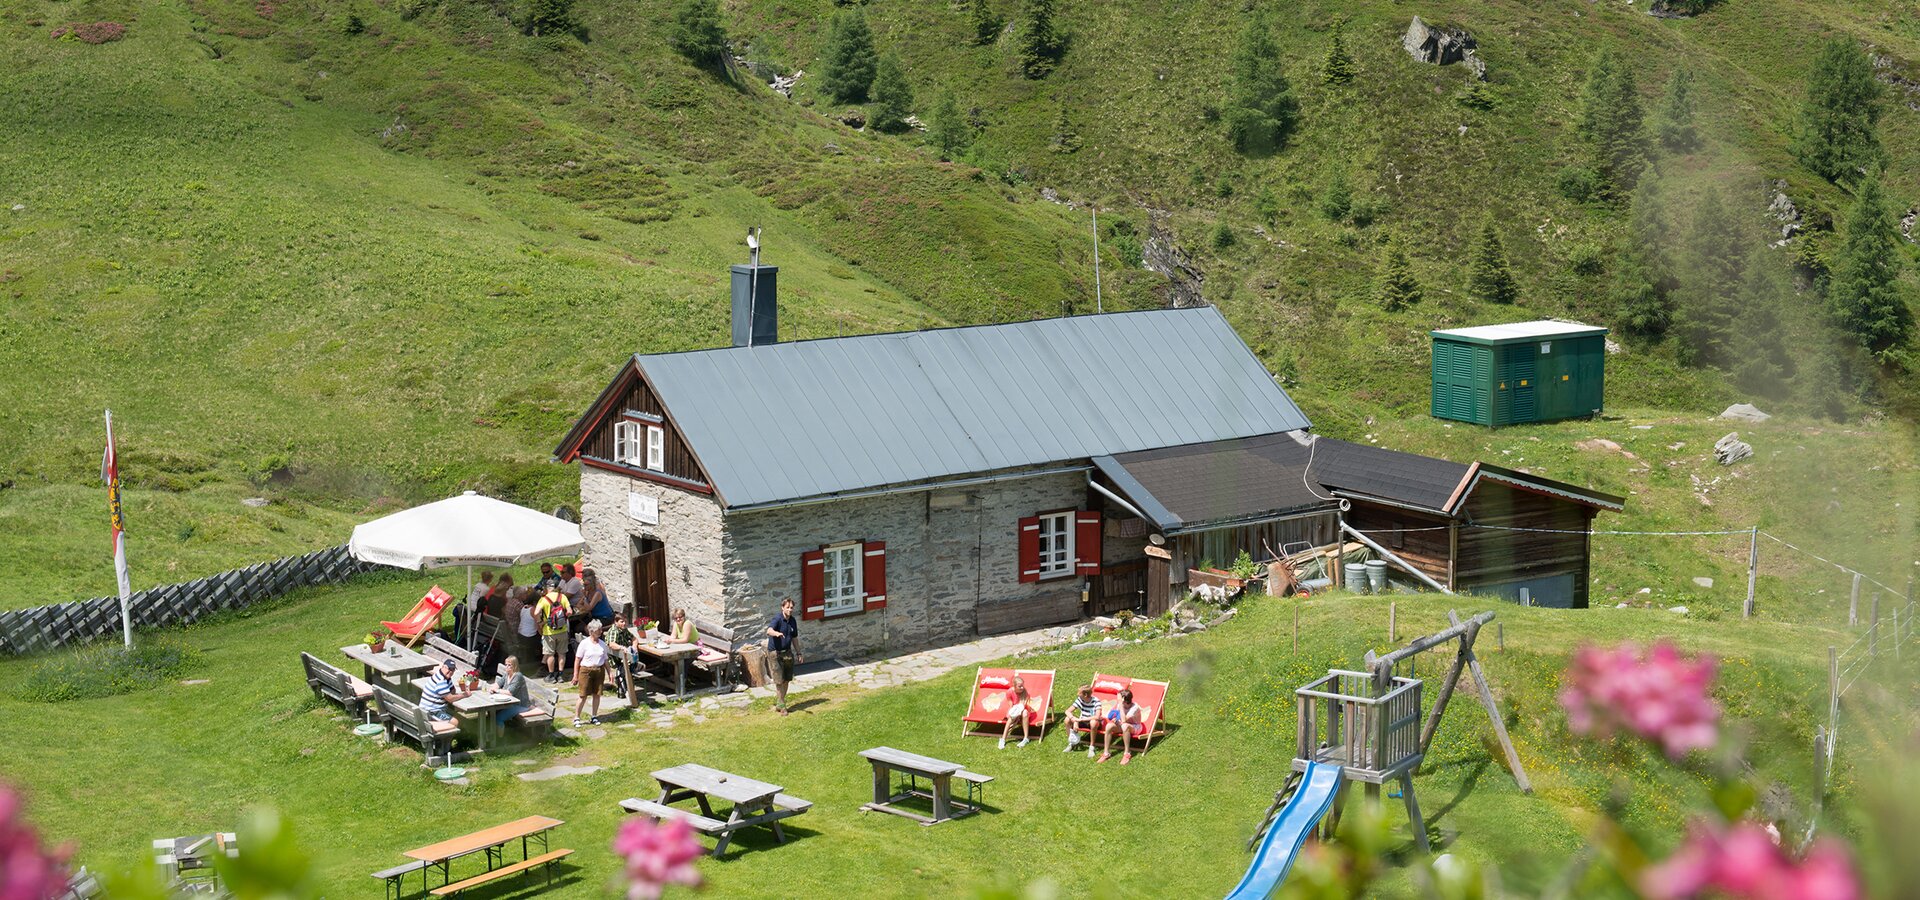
{"type": "Point", "coordinates": [1280, 799]}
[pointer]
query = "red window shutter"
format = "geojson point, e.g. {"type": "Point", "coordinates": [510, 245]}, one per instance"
{"type": "Point", "coordinates": [813, 585]}
{"type": "Point", "coordinates": [1030, 549]}
{"type": "Point", "coordinates": [1086, 542]}
{"type": "Point", "coordinates": [873, 574]}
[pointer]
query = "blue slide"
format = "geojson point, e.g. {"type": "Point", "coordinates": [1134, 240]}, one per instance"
{"type": "Point", "coordinates": [1289, 830]}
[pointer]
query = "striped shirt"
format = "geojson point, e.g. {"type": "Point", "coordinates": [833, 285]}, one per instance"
{"type": "Point", "coordinates": [1084, 708]}
{"type": "Point", "coordinates": [433, 697]}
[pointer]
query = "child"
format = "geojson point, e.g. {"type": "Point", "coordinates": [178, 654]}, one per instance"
{"type": "Point", "coordinates": [1124, 720]}
{"type": "Point", "coordinates": [1084, 712]}
{"type": "Point", "coordinates": [1021, 707]}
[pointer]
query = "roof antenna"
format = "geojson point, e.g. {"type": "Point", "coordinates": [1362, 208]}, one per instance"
{"type": "Point", "coordinates": [1097, 305]}
{"type": "Point", "coordinates": [753, 280]}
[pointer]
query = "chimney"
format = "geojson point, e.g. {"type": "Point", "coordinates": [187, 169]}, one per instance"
{"type": "Point", "coordinates": [756, 307]}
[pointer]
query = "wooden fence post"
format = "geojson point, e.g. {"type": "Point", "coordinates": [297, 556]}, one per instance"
{"type": "Point", "coordinates": [1753, 569]}
{"type": "Point", "coordinates": [1393, 622]}
{"type": "Point", "coordinates": [1833, 684]}
{"type": "Point", "coordinates": [1820, 753]}
{"type": "Point", "coordinates": [1500, 633]}
{"type": "Point", "coordinates": [1853, 604]}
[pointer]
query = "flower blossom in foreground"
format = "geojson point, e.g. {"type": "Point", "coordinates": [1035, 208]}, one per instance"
{"type": "Point", "coordinates": [1743, 862]}
{"type": "Point", "coordinates": [657, 854]}
{"type": "Point", "coordinates": [1659, 695]}
{"type": "Point", "coordinates": [27, 872]}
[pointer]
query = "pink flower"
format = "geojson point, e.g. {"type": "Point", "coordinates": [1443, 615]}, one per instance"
{"type": "Point", "coordinates": [657, 854]}
{"type": "Point", "coordinates": [1743, 862]}
{"type": "Point", "coordinates": [1658, 695]}
{"type": "Point", "coordinates": [27, 872]}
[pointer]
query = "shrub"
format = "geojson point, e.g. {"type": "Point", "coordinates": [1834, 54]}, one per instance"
{"type": "Point", "coordinates": [104, 670]}
{"type": "Point", "coordinates": [697, 33]}
{"type": "Point", "coordinates": [1578, 183]}
{"type": "Point", "coordinates": [1222, 236]}
{"type": "Point", "coordinates": [90, 32]}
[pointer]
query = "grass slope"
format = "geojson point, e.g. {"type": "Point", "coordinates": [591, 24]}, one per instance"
{"type": "Point", "coordinates": [181, 758]}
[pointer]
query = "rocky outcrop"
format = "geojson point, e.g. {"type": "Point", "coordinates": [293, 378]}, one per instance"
{"type": "Point", "coordinates": [1443, 45]}
{"type": "Point", "coordinates": [1160, 254]}
{"type": "Point", "coordinates": [1890, 72]}
{"type": "Point", "coordinates": [1669, 9]}
{"type": "Point", "coordinates": [1731, 449]}
{"type": "Point", "coordinates": [1784, 213]}
{"type": "Point", "coordinates": [1907, 222]}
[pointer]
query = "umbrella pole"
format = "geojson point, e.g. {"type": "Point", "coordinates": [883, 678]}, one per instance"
{"type": "Point", "coordinates": [472, 616]}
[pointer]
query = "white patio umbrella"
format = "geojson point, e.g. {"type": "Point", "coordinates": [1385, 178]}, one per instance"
{"type": "Point", "coordinates": [468, 530]}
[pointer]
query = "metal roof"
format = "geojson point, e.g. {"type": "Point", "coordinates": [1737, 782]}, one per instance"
{"type": "Point", "coordinates": [1194, 487]}
{"type": "Point", "coordinates": [1520, 331]}
{"type": "Point", "coordinates": [803, 419]}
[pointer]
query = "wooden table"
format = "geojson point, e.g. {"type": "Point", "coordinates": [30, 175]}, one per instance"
{"type": "Point", "coordinates": [482, 705]}
{"type": "Point", "coordinates": [754, 802]}
{"type": "Point", "coordinates": [488, 840]}
{"type": "Point", "coordinates": [394, 666]}
{"type": "Point", "coordinates": [887, 760]}
{"type": "Point", "coordinates": [675, 653]}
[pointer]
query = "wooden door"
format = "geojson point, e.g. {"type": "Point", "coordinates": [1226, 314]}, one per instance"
{"type": "Point", "coordinates": [1158, 585]}
{"type": "Point", "coordinates": [650, 579]}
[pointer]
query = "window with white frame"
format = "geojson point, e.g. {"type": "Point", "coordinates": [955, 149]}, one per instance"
{"type": "Point", "coordinates": [626, 443]}
{"type": "Point", "coordinates": [1056, 544]}
{"type": "Point", "coordinates": [656, 448]}
{"type": "Point", "coordinates": [842, 578]}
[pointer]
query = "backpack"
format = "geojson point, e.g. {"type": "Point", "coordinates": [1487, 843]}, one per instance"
{"type": "Point", "coordinates": [556, 612]}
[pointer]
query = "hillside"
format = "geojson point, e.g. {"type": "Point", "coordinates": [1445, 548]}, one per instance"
{"type": "Point", "coordinates": [343, 269]}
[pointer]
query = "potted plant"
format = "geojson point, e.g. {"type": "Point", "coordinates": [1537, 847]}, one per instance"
{"type": "Point", "coordinates": [377, 640]}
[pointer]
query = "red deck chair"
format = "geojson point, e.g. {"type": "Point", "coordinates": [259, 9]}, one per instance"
{"type": "Point", "coordinates": [986, 701]}
{"type": "Point", "coordinates": [1150, 696]}
{"type": "Point", "coordinates": [424, 617]}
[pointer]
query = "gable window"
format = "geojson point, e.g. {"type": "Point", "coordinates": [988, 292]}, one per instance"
{"type": "Point", "coordinates": [656, 448]}
{"type": "Point", "coordinates": [1056, 544]}
{"type": "Point", "coordinates": [626, 443]}
{"type": "Point", "coordinates": [841, 584]}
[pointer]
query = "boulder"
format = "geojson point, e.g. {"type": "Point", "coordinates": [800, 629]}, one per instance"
{"type": "Point", "coordinates": [1703, 581]}
{"type": "Point", "coordinates": [855, 118]}
{"type": "Point", "coordinates": [1907, 221]}
{"type": "Point", "coordinates": [1782, 211]}
{"type": "Point", "coordinates": [1443, 45]}
{"type": "Point", "coordinates": [1731, 449]}
{"type": "Point", "coordinates": [1743, 412]}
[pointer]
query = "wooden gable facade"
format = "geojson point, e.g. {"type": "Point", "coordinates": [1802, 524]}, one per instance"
{"type": "Point", "coordinates": [630, 399]}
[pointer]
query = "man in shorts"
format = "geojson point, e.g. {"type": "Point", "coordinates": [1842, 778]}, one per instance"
{"type": "Point", "coordinates": [552, 613]}
{"type": "Point", "coordinates": [783, 652]}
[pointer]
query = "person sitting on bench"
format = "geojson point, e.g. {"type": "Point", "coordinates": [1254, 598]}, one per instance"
{"type": "Point", "coordinates": [1124, 720]}
{"type": "Point", "coordinates": [1020, 707]}
{"type": "Point", "coordinates": [1084, 713]}
{"type": "Point", "coordinates": [439, 691]}
{"type": "Point", "coordinates": [512, 682]}
{"type": "Point", "coordinates": [683, 631]}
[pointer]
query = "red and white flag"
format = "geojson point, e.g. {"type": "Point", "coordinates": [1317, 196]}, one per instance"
{"type": "Point", "coordinates": [110, 473]}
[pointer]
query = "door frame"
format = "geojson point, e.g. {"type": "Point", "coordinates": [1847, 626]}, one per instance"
{"type": "Point", "coordinates": [649, 586]}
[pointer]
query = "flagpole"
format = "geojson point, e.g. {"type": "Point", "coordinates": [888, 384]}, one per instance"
{"type": "Point", "coordinates": [110, 473]}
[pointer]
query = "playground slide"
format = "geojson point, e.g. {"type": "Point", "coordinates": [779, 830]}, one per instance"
{"type": "Point", "coordinates": [1289, 830]}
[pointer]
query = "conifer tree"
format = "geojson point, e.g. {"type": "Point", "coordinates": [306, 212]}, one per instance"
{"type": "Point", "coordinates": [1863, 297]}
{"type": "Point", "coordinates": [1838, 128]}
{"type": "Point", "coordinates": [697, 33]}
{"type": "Point", "coordinates": [1040, 42]}
{"type": "Point", "coordinates": [847, 66]}
{"type": "Point", "coordinates": [548, 16]}
{"type": "Point", "coordinates": [1642, 306]}
{"type": "Point", "coordinates": [947, 129]}
{"type": "Point", "coordinates": [1338, 67]}
{"type": "Point", "coordinates": [1612, 124]}
{"type": "Point", "coordinates": [1676, 125]}
{"type": "Point", "coordinates": [986, 25]}
{"type": "Point", "coordinates": [1491, 280]}
{"type": "Point", "coordinates": [892, 96]}
{"type": "Point", "coordinates": [1065, 139]}
{"type": "Point", "coordinates": [1710, 286]}
{"type": "Point", "coordinates": [1260, 109]}
{"type": "Point", "coordinates": [1394, 285]}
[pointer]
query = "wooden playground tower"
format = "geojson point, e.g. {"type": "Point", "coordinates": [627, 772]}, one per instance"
{"type": "Point", "coordinates": [1368, 723]}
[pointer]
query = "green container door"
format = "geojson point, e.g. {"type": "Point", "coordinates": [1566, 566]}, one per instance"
{"type": "Point", "coordinates": [1460, 388]}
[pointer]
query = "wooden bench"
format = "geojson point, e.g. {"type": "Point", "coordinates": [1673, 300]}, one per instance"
{"type": "Point", "coordinates": [396, 877]}
{"type": "Point", "coordinates": [717, 657]}
{"type": "Point", "coordinates": [938, 772]}
{"type": "Point", "coordinates": [700, 823]}
{"type": "Point", "coordinates": [545, 859]}
{"type": "Point", "coordinates": [546, 703]}
{"type": "Point", "coordinates": [439, 648]}
{"type": "Point", "coordinates": [405, 718]}
{"type": "Point", "coordinates": [84, 885]}
{"type": "Point", "coordinates": [331, 683]}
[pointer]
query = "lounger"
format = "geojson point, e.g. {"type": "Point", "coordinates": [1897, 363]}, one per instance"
{"type": "Point", "coordinates": [424, 617]}
{"type": "Point", "coordinates": [986, 702]}
{"type": "Point", "coordinates": [1150, 696]}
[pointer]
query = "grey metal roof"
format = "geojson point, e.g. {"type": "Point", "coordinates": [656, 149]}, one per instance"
{"type": "Point", "coordinates": [809, 418]}
{"type": "Point", "coordinates": [1193, 487]}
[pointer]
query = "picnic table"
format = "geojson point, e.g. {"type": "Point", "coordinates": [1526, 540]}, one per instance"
{"type": "Point", "coordinates": [187, 862]}
{"type": "Point", "coordinates": [492, 842]}
{"type": "Point", "coordinates": [938, 772]}
{"type": "Point", "coordinates": [481, 706]}
{"type": "Point", "coordinates": [755, 803]}
{"type": "Point", "coordinates": [676, 654]}
{"type": "Point", "coordinates": [393, 666]}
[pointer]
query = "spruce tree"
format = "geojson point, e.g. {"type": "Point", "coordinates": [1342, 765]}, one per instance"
{"type": "Point", "coordinates": [892, 96]}
{"type": "Point", "coordinates": [1710, 286]}
{"type": "Point", "coordinates": [1643, 308]}
{"type": "Point", "coordinates": [1863, 296]}
{"type": "Point", "coordinates": [1338, 67]}
{"type": "Point", "coordinates": [1491, 280]}
{"type": "Point", "coordinates": [1838, 125]}
{"type": "Point", "coordinates": [1040, 42]}
{"type": "Point", "coordinates": [947, 129]}
{"type": "Point", "coordinates": [548, 16]}
{"type": "Point", "coordinates": [1394, 285]}
{"type": "Point", "coordinates": [1676, 126]}
{"type": "Point", "coordinates": [697, 33]}
{"type": "Point", "coordinates": [847, 66]}
{"type": "Point", "coordinates": [1612, 124]}
{"type": "Point", "coordinates": [1260, 109]}
{"type": "Point", "coordinates": [1065, 139]}
{"type": "Point", "coordinates": [986, 25]}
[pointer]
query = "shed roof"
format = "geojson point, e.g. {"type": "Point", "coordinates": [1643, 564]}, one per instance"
{"type": "Point", "coordinates": [801, 419]}
{"type": "Point", "coordinates": [1520, 331]}
{"type": "Point", "coordinates": [1198, 485]}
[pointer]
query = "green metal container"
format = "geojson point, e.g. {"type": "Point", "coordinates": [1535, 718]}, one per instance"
{"type": "Point", "coordinates": [1521, 372]}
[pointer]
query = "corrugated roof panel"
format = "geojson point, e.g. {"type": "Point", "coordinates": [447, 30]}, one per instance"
{"type": "Point", "coordinates": [808, 418]}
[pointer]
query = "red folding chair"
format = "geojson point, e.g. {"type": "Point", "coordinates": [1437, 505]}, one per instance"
{"type": "Point", "coordinates": [424, 617]}
{"type": "Point", "coordinates": [1150, 696]}
{"type": "Point", "coordinates": [987, 701]}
